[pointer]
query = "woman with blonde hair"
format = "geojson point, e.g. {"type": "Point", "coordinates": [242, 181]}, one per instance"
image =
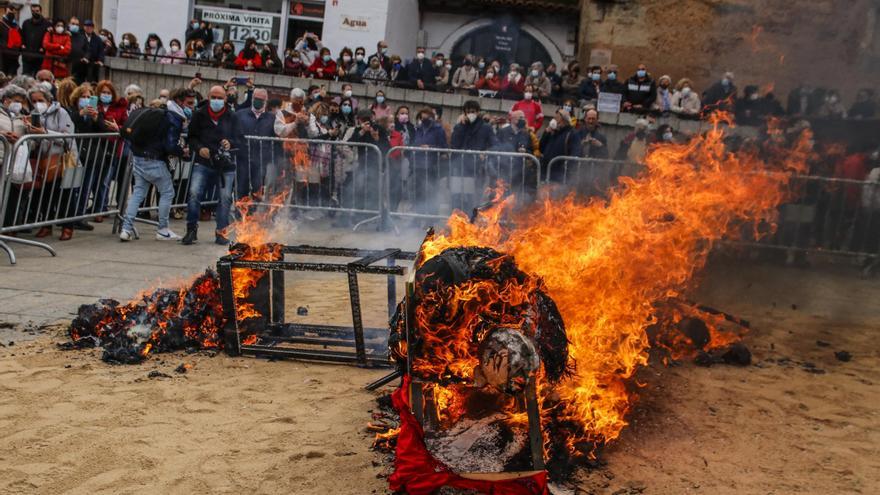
{"type": "Point", "coordinates": [64, 92]}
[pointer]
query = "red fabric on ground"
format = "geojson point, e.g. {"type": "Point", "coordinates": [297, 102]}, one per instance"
{"type": "Point", "coordinates": [417, 472]}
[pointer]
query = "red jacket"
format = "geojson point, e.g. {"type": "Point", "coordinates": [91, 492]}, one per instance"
{"type": "Point", "coordinates": [395, 138]}
{"type": "Point", "coordinates": [493, 84]}
{"type": "Point", "coordinates": [329, 69]}
{"type": "Point", "coordinates": [241, 62]}
{"type": "Point", "coordinates": [511, 87]}
{"type": "Point", "coordinates": [57, 47]}
{"type": "Point", "coordinates": [116, 111]}
{"type": "Point", "coordinates": [533, 111]}
{"type": "Point", "coordinates": [853, 167]}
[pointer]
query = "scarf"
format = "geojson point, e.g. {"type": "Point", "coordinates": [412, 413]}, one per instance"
{"type": "Point", "coordinates": [215, 116]}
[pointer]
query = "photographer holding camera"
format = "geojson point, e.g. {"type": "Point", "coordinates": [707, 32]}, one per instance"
{"type": "Point", "coordinates": [211, 136]}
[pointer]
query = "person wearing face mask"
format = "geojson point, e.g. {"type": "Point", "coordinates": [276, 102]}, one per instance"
{"type": "Point", "coordinates": [312, 182]}
{"type": "Point", "coordinates": [515, 135]}
{"type": "Point", "coordinates": [490, 81]}
{"type": "Point", "coordinates": [531, 108]}
{"type": "Point", "coordinates": [465, 77]}
{"type": "Point", "coordinates": [112, 112]}
{"type": "Point", "coordinates": [641, 91]}
{"type": "Point", "coordinates": [664, 134]}
{"type": "Point", "coordinates": [375, 75]}
{"type": "Point", "coordinates": [309, 48]}
{"type": "Point", "coordinates": [249, 57]}
{"type": "Point", "coordinates": [402, 124]}
{"type": "Point", "coordinates": [212, 135]}
{"type": "Point", "coordinates": [591, 86]}
{"type": "Point", "coordinates": [663, 98]}
{"type": "Point", "coordinates": [347, 112]}
{"type": "Point", "coordinates": [199, 30]}
{"type": "Point", "coordinates": [543, 87]}
{"type": "Point", "coordinates": [55, 200]}
{"type": "Point", "coordinates": [594, 144]}
{"type": "Point", "coordinates": [86, 53]}
{"type": "Point", "coordinates": [251, 155]}
{"type": "Point", "coordinates": [380, 108]}
{"type": "Point", "coordinates": [472, 133]}
{"type": "Point", "coordinates": [555, 80]}
{"type": "Point", "coordinates": [686, 101]}
{"type": "Point", "coordinates": [383, 55]}
{"type": "Point", "coordinates": [271, 62]}
{"type": "Point", "coordinates": [420, 71]}
{"type": "Point", "coordinates": [346, 65]}
{"type": "Point", "coordinates": [513, 86]}
{"type": "Point", "coordinates": [347, 94]}
{"type": "Point", "coordinates": [56, 46]}
{"type": "Point", "coordinates": [323, 67]}
{"type": "Point", "coordinates": [128, 46]}
{"type": "Point", "coordinates": [429, 134]}
{"type": "Point", "coordinates": [13, 107]}
{"type": "Point", "coordinates": [397, 74]}
{"type": "Point", "coordinates": [293, 64]}
{"type": "Point", "coordinates": [231, 88]}
{"type": "Point", "coordinates": [441, 73]}
{"type": "Point", "coordinates": [10, 38]}
{"type": "Point", "coordinates": [32, 32]}
{"type": "Point", "coordinates": [721, 95]}
{"type": "Point", "coordinates": [748, 109]}
{"type": "Point", "coordinates": [176, 55]}
{"type": "Point", "coordinates": [832, 107]}
{"type": "Point", "coordinates": [572, 80]}
{"type": "Point", "coordinates": [225, 56]}
{"type": "Point", "coordinates": [612, 82]}
{"type": "Point", "coordinates": [559, 139]}
{"type": "Point", "coordinates": [153, 49]}
{"type": "Point", "coordinates": [360, 58]}
{"type": "Point", "coordinates": [109, 41]}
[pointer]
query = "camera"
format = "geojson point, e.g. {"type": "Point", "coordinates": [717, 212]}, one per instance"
{"type": "Point", "coordinates": [222, 159]}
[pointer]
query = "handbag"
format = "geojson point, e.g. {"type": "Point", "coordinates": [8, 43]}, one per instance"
{"type": "Point", "coordinates": [22, 171]}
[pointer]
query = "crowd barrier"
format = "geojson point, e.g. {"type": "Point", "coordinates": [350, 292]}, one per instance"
{"type": "Point", "coordinates": [343, 179]}
{"type": "Point", "coordinates": [57, 180]}
{"type": "Point", "coordinates": [431, 182]}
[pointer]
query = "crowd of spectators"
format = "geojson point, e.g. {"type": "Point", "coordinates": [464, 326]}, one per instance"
{"type": "Point", "coordinates": [206, 124]}
{"type": "Point", "coordinates": [70, 47]}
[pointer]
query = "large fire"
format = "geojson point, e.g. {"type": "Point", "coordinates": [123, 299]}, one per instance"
{"type": "Point", "coordinates": [609, 263]}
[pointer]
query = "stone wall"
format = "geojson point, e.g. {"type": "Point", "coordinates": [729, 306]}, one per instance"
{"type": "Point", "coordinates": [781, 43]}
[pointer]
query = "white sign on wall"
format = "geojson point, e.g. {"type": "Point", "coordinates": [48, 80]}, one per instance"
{"type": "Point", "coordinates": [354, 23]}
{"type": "Point", "coordinates": [242, 25]}
{"type": "Point", "coordinates": [609, 102]}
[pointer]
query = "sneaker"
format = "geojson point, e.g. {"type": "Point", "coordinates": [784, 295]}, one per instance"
{"type": "Point", "coordinates": [125, 236]}
{"type": "Point", "coordinates": [166, 235]}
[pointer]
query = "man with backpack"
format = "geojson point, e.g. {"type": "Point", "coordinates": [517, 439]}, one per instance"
{"type": "Point", "coordinates": [10, 38]}
{"type": "Point", "coordinates": [212, 132]}
{"type": "Point", "coordinates": [154, 135]}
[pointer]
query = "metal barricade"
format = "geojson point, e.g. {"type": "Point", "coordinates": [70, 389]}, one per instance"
{"type": "Point", "coordinates": [585, 177]}
{"type": "Point", "coordinates": [826, 215]}
{"type": "Point", "coordinates": [432, 182]}
{"type": "Point", "coordinates": [343, 179]}
{"type": "Point", "coordinates": [59, 179]}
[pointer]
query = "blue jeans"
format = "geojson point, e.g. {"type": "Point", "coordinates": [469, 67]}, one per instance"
{"type": "Point", "coordinates": [146, 172]}
{"type": "Point", "coordinates": [205, 179]}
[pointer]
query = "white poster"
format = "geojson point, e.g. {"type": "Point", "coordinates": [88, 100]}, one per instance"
{"type": "Point", "coordinates": [242, 25]}
{"type": "Point", "coordinates": [609, 102]}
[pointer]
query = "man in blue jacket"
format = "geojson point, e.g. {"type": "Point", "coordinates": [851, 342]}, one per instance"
{"type": "Point", "coordinates": [212, 132]}
{"type": "Point", "coordinates": [253, 155]}
{"type": "Point", "coordinates": [150, 167]}
{"type": "Point", "coordinates": [425, 171]}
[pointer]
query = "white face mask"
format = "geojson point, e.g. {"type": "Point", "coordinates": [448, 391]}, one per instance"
{"type": "Point", "coordinates": [347, 93]}
{"type": "Point", "coordinates": [175, 47]}
{"type": "Point", "coordinates": [472, 117]}
{"type": "Point", "coordinates": [41, 106]}
{"type": "Point", "coordinates": [448, 66]}
{"type": "Point", "coordinates": [685, 91]}
{"type": "Point", "coordinates": [553, 124]}
{"type": "Point", "coordinates": [154, 44]}
{"type": "Point", "coordinates": [346, 58]}
{"type": "Point", "coordinates": [15, 107]}
{"type": "Point", "coordinates": [527, 95]}
{"type": "Point", "coordinates": [439, 63]}
{"type": "Point", "coordinates": [420, 56]}
{"type": "Point", "coordinates": [59, 30]}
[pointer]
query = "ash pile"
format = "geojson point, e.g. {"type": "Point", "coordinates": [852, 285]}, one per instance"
{"type": "Point", "coordinates": [163, 320]}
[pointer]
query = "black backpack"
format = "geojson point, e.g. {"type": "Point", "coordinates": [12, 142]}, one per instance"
{"type": "Point", "coordinates": [145, 126]}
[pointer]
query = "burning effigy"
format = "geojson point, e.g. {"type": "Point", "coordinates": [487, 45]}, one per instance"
{"type": "Point", "coordinates": [617, 268]}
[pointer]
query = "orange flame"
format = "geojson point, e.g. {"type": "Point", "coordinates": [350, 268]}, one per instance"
{"type": "Point", "coordinates": [607, 262]}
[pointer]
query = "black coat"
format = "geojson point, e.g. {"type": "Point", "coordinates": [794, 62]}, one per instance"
{"type": "Point", "coordinates": [421, 70]}
{"type": "Point", "coordinates": [83, 47]}
{"type": "Point", "coordinates": [32, 32]}
{"type": "Point", "coordinates": [642, 92]}
{"type": "Point", "coordinates": [615, 86]}
{"type": "Point", "coordinates": [206, 35]}
{"type": "Point", "coordinates": [204, 133]}
{"type": "Point", "coordinates": [476, 136]}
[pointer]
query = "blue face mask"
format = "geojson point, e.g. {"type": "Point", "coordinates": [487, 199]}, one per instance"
{"type": "Point", "coordinates": [346, 109]}
{"type": "Point", "coordinates": [326, 58]}
{"type": "Point", "coordinates": [187, 112]}
{"type": "Point", "coordinates": [74, 28]}
{"type": "Point", "coordinates": [612, 76]}
{"type": "Point", "coordinates": [641, 73]}
{"type": "Point", "coordinates": [195, 25]}
{"type": "Point", "coordinates": [596, 76]}
{"type": "Point", "coordinates": [217, 104]}
{"type": "Point", "coordinates": [324, 119]}
{"type": "Point", "coordinates": [106, 99]}
{"type": "Point", "coordinates": [380, 99]}
{"type": "Point", "coordinates": [396, 66]}
{"type": "Point", "coordinates": [83, 102]}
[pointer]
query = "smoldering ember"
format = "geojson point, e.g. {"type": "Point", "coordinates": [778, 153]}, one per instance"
{"type": "Point", "coordinates": [439, 247]}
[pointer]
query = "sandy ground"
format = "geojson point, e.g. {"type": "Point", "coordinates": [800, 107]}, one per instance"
{"type": "Point", "coordinates": [72, 424]}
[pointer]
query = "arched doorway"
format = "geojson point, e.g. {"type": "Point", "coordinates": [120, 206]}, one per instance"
{"type": "Point", "coordinates": [479, 41]}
